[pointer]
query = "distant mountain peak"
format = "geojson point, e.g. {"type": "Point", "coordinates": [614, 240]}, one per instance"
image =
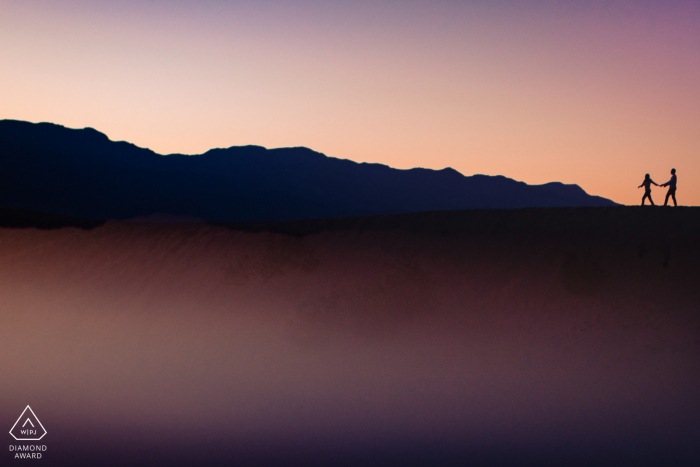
{"type": "Point", "coordinates": [82, 173]}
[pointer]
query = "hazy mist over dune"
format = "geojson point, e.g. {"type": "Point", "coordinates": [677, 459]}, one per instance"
{"type": "Point", "coordinates": [551, 336]}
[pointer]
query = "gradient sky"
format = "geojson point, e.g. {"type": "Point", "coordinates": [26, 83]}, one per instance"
{"type": "Point", "coordinates": [596, 94]}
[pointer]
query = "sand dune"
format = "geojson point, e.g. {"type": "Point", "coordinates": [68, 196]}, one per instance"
{"type": "Point", "coordinates": [551, 336]}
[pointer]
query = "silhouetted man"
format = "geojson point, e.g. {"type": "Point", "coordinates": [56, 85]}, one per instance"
{"type": "Point", "coordinates": [671, 184]}
{"type": "Point", "coordinates": [647, 189]}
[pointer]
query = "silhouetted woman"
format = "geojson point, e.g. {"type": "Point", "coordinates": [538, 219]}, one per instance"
{"type": "Point", "coordinates": [647, 189]}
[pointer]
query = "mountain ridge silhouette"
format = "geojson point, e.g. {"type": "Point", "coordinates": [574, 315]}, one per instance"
{"type": "Point", "coordinates": [81, 172]}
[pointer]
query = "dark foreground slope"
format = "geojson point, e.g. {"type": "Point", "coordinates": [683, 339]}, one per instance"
{"type": "Point", "coordinates": [506, 337]}
{"type": "Point", "coordinates": [82, 173]}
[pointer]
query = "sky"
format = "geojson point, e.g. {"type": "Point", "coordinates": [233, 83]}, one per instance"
{"type": "Point", "coordinates": [593, 93]}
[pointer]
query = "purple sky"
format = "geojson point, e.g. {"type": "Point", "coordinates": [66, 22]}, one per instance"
{"type": "Point", "coordinates": [596, 95]}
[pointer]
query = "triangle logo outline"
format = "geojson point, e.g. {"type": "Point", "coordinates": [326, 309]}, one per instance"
{"type": "Point", "coordinates": [35, 418]}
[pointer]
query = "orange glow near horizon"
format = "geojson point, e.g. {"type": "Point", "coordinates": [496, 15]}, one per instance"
{"type": "Point", "coordinates": [596, 96]}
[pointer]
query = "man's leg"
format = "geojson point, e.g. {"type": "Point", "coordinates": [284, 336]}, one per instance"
{"type": "Point", "coordinates": [673, 195]}
{"type": "Point", "coordinates": [667, 195]}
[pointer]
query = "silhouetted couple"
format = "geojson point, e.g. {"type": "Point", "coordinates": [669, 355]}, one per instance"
{"type": "Point", "coordinates": [671, 184]}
